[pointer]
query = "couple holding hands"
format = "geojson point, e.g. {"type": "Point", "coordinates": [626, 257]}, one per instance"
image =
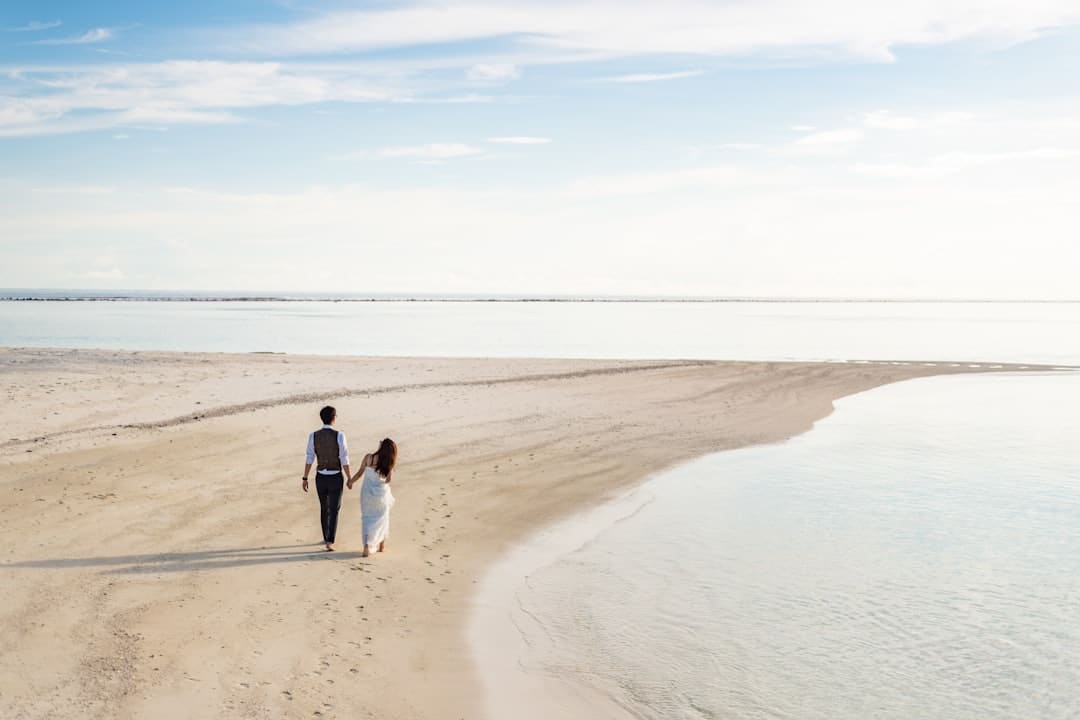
{"type": "Point", "coordinates": [328, 451]}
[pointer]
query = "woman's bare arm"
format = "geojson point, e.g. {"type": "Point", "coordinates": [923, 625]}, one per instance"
{"type": "Point", "coordinates": [363, 464]}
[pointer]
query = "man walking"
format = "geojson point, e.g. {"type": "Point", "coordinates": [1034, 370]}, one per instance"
{"type": "Point", "coordinates": [327, 445]}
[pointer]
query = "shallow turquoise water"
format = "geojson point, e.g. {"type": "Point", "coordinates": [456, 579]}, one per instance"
{"type": "Point", "coordinates": [917, 555]}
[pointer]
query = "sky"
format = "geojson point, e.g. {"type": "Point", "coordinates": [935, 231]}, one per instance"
{"type": "Point", "coordinates": [736, 148]}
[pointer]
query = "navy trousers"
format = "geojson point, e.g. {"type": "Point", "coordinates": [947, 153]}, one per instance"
{"type": "Point", "coordinates": [330, 489]}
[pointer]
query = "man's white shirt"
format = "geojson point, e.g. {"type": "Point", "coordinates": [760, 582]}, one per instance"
{"type": "Point", "coordinates": [343, 451]}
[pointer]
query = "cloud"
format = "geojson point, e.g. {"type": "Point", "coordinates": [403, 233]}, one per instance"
{"type": "Point", "coordinates": [831, 137]}
{"type": "Point", "coordinates": [519, 140]}
{"type": "Point", "coordinates": [493, 72]}
{"type": "Point", "coordinates": [37, 26]}
{"type": "Point", "coordinates": [75, 190]}
{"type": "Point", "coordinates": [697, 152]}
{"type": "Point", "coordinates": [824, 143]}
{"type": "Point", "coordinates": [888, 120]}
{"type": "Point", "coordinates": [90, 36]}
{"type": "Point", "coordinates": [845, 28]}
{"type": "Point", "coordinates": [956, 162]}
{"type": "Point", "coordinates": [747, 230]}
{"type": "Point", "coordinates": [113, 273]}
{"type": "Point", "coordinates": [654, 77]}
{"type": "Point", "coordinates": [57, 100]}
{"type": "Point", "coordinates": [649, 183]}
{"type": "Point", "coordinates": [431, 151]}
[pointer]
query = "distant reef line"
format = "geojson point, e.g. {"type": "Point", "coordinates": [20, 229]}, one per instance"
{"type": "Point", "coordinates": [135, 296]}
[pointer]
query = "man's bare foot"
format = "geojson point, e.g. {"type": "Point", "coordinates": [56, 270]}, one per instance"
{"type": "Point", "coordinates": [382, 546]}
{"type": "Point", "coordinates": [365, 553]}
{"type": "Point", "coordinates": [329, 547]}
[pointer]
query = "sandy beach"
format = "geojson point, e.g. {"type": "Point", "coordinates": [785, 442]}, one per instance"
{"type": "Point", "coordinates": [160, 560]}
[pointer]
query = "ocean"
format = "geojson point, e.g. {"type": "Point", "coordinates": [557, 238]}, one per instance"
{"type": "Point", "coordinates": [915, 555]}
{"type": "Point", "coordinates": [782, 330]}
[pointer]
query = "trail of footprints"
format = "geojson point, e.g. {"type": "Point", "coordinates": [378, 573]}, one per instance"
{"type": "Point", "coordinates": [437, 512]}
{"type": "Point", "coordinates": [340, 660]}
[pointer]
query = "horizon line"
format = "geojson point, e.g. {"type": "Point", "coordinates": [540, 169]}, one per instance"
{"type": "Point", "coordinates": [178, 295]}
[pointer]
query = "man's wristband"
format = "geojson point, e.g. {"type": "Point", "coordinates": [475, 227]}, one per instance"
{"type": "Point", "coordinates": [304, 478]}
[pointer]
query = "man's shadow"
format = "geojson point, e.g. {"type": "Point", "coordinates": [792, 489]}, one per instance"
{"type": "Point", "coordinates": [151, 563]}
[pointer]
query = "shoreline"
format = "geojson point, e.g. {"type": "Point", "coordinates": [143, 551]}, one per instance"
{"type": "Point", "coordinates": [143, 484]}
{"type": "Point", "coordinates": [498, 642]}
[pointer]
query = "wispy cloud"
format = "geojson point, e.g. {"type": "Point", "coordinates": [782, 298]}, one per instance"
{"type": "Point", "coordinates": [889, 120]}
{"type": "Point", "coordinates": [37, 26]}
{"type": "Point", "coordinates": [75, 190]}
{"type": "Point", "coordinates": [493, 72]}
{"type": "Point", "coordinates": [956, 162]}
{"type": "Point", "coordinates": [519, 140]}
{"type": "Point", "coordinates": [431, 151]}
{"type": "Point", "coordinates": [654, 77]}
{"type": "Point", "coordinates": [824, 143]}
{"type": "Point", "coordinates": [90, 36]}
{"type": "Point", "coordinates": [698, 152]}
{"type": "Point", "coordinates": [176, 92]}
{"type": "Point", "coordinates": [649, 183]}
{"type": "Point", "coordinates": [852, 28]}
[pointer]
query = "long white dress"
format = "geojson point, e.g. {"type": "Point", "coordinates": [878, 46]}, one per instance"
{"type": "Point", "coordinates": [375, 503]}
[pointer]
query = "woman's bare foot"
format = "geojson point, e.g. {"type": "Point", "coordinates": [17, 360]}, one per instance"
{"type": "Point", "coordinates": [365, 553]}
{"type": "Point", "coordinates": [382, 546]}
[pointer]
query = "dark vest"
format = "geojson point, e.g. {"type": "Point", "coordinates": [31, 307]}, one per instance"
{"type": "Point", "coordinates": [326, 449]}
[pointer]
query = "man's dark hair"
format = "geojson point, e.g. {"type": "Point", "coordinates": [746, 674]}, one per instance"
{"type": "Point", "coordinates": [328, 414]}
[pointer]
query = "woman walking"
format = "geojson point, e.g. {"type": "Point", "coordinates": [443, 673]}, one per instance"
{"type": "Point", "coordinates": [375, 496]}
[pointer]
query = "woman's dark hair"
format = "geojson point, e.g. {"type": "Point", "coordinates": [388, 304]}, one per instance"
{"type": "Point", "coordinates": [328, 414]}
{"type": "Point", "coordinates": [386, 458]}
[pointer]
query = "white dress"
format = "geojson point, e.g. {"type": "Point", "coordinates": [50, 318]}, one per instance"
{"type": "Point", "coordinates": [375, 503]}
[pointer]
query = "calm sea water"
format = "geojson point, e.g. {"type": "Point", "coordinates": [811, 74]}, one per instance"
{"type": "Point", "coordinates": [917, 555]}
{"type": "Point", "coordinates": [1003, 332]}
